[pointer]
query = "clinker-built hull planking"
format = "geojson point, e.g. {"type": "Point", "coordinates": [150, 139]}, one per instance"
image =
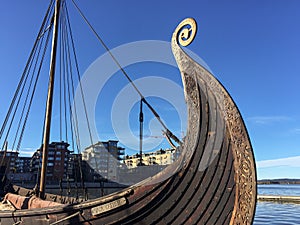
{"type": "Point", "coordinates": [212, 182]}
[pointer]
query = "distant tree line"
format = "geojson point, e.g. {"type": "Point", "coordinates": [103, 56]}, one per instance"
{"type": "Point", "coordinates": [279, 181]}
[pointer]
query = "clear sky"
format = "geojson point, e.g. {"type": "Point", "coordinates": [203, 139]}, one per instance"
{"type": "Point", "coordinates": [253, 48]}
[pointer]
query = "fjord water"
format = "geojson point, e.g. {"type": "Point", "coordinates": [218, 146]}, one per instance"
{"type": "Point", "coordinates": [273, 213]}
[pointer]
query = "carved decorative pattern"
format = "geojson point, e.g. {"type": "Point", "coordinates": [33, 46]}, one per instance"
{"type": "Point", "coordinates": [186, 31]}
{"type": "Point", "coordinates": [244, 165]}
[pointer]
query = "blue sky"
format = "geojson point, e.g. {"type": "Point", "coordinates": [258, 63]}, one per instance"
{"type": "Point", "coordinates": [253, 48]}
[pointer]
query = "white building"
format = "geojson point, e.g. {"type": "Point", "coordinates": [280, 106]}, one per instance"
{"type": "Point", "coordinates": [105, 158]}
{"type": "Point", "coordinates": [160, 157]}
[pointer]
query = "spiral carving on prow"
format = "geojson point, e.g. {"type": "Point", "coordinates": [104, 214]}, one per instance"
{"type": "Point", "coordinates": [185, 32]}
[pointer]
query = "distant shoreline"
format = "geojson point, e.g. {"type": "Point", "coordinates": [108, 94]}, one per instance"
{"type": "Point", "coordinates": [279, 181]}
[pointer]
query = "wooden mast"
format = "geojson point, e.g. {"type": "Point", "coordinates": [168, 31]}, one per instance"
{"type": "Point", "coordinates": [47, 126]}
{"type": "Point", "coordinates": [141, 119]}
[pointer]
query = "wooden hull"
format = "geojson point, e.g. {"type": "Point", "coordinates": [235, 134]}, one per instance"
{"type": "Point", "coordinates": [212, 182]}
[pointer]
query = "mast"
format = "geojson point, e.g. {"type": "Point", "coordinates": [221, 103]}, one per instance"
{"type": "Point", "coordinates": [141, 119]}
{"type": "Point", "coordinates": [48, 116]}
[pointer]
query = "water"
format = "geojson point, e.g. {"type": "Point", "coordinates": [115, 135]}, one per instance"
{"type": "Point", "coordinates": [270, 213]}
{"type": "Point", "coordinates": [267, 213]}
{"type": "Point", "coordinates": [279, 189]}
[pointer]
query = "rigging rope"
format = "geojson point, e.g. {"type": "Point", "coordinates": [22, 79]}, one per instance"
{"type": "Point", "coordinates": [33, 92]}
{"type": "Point", "coordinates": [25, 69]}
{"type": "Point", "coordinates": [83, 101]}
{"type": "Point", "coordinates": [29, 88]}
{"type": "Point", "coordinates": [26, 74]}
{"type": "Point", "coordinates": [20, 89]}
{"type": "Point", "coordinates": [78, 76]}
{"type": "Point", "coordinates": [60, 84]}
{"type": "Point", "coordinates": [168, 132]}
{"type": "Point", "coordinates": [66, 91]}
{"type": "Point", "coordinates": [17, 104]}
{"type": "Point", "coordinates": [71, 93]}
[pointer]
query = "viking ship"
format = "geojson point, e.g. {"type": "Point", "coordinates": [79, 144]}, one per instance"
{"type": "Point", "coordinates": [213, 181]}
